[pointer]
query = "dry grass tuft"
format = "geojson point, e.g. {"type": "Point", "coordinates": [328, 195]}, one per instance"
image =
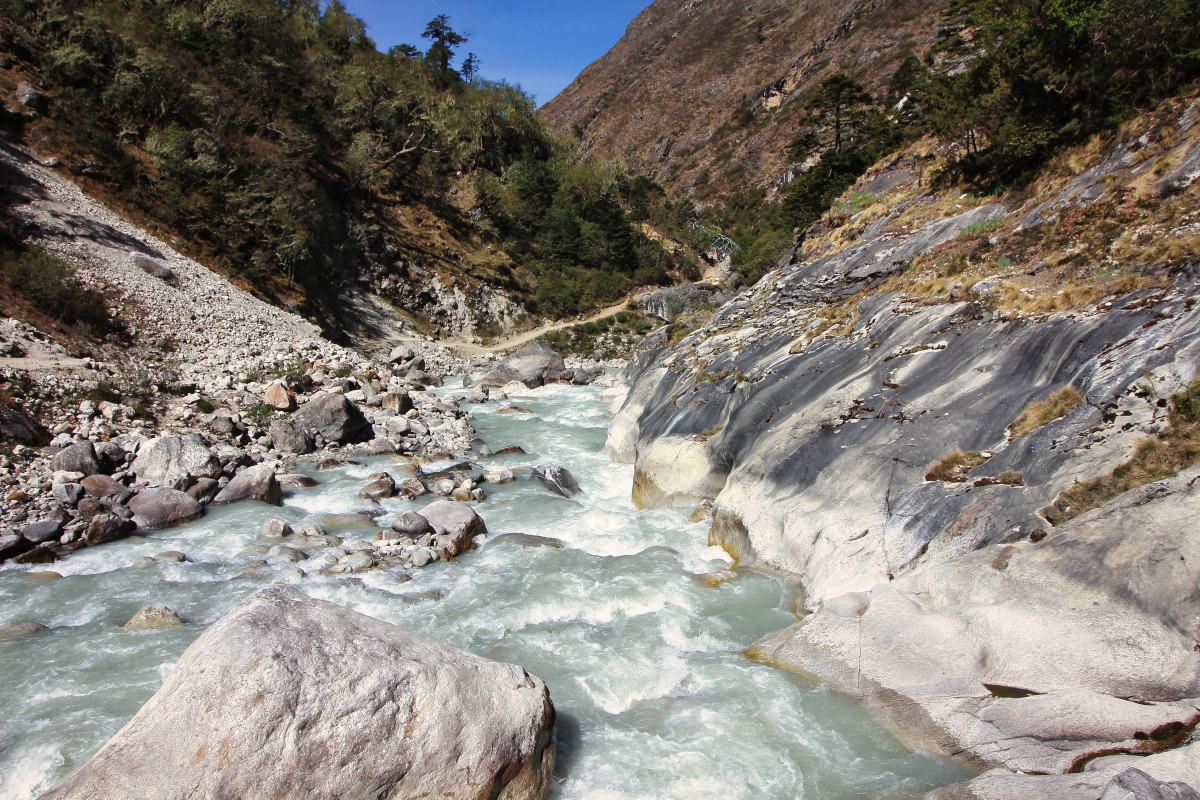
{"type": "Point", "coordinates": [1156, 458]}
{"type": "Point", "coordinates": [1043, 412]}
{"type": "Point", "coordinates": [954, 466]}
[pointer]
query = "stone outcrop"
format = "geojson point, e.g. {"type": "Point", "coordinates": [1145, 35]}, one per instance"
{"type": "Point", "coordinates": [533, 365]}
{"type": "Point", "coordinates": [289, 697]}
{"type": "Point", "coordinates": [944, 603]}
{"type": "Point", "coordinates": [1032, 656]}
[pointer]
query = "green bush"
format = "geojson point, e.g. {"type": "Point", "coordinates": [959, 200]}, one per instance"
{"type": "Point", "coordinates": [49, 283]}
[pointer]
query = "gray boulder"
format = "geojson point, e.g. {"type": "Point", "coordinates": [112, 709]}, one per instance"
{"type": "Point", "coordinates": [533, 365]}
{"type": "Point", "coordinates": [401, 354]}
{"type": "Point", "coordinates": [288, 437]}
{"type": "Point", "coordinates": [410, 525]}
{"type": "Point", "coordinates": [104, 528]}
{"type": "Point", "coordinates": [333, 417]}
{"type": "Point", "coordinates": [79, 457]}
{"type": "Point", "coordinates": [1133, 784]}
{"type": "Point", "coordinates": [204, 490]}
{"type": "Point", "coordinates": [288, 697]}
{"type": "Point", "coordinates": [154, 267]}
{"type": "Point", "coordinates": [458, 520]}
{"type": "Point", "coordinates": [13, 544]}
{"type": "Point", "coordinates": [253, 483]}
{"type": "Point", "coordinates": [68, 493]}
{"type": "Point", "coordinates": [47, 530]}
{"type": "Point", "coordinates": [557, 480]}
{"type": "Point", "coordinates": [174, 461]}
{"type": "Point", "coordinates": [155, 509]}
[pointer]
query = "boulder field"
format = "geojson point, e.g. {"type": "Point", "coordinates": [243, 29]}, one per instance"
{"type": "Point", "coordinates": [284, 687]}
{"type": "Point", "coordinates": [940, 598]}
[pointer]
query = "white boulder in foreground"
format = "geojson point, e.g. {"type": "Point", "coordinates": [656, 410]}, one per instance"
{"type": "Point", "coordinates": [290, 697]}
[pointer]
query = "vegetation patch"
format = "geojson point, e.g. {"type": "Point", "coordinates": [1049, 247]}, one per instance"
{"type": "Point", "coordinates": [1043, 412]}
{"type": "Point", "coordinates": [954, 466]}
{"type": "Point", "coordinates": [1156, 458]}
{"type": "Point", "coordinates": [49, 283]}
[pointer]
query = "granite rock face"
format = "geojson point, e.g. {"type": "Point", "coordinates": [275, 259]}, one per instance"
{"type": "Point", "coordinates": [928, 597]}
{"type": "Point", "coordinates": [289, 697]}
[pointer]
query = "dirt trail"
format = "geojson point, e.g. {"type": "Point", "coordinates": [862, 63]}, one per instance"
{"type": "Point", "coordinates": [467, 348]}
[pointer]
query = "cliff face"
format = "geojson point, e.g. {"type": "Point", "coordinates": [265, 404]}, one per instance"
{"type": "Point", "coordinates": [707, 90]}
{"type": "Point", "coordinates": [815, 413]}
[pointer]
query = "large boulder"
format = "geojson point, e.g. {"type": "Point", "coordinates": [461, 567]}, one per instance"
{"type": "Point", "coordinates": [19, 427]}
{"type": "Point", "coordinates": [159, 508]}
{"type": "Point", "coordinates": [79, 457]}
{"type": "Point", "coordinates": [533, 365]}
{"type": "Point", "coordinates": [288, 437]}
{"type": "Point", "coordinates": [455, 519]}
{"type": "Point", "coordinates": [174, 461]}
{"type": "Point", "coordinates": [13, 544]}
{"type": "Point", "coordinates": [253, 483]}
{"type": "Point", "coordinates": [104, 528]}
{"type": "Point", "coordinates": [289, 697]}
{"type": "Point", "coordinates": [334, 417]}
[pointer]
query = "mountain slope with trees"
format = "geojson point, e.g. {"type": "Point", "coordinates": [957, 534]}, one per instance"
{"type": "Point", "coordinates": [275, 142]}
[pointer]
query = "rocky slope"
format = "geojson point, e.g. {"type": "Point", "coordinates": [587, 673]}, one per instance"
{"type": "Point", "coordinates": [210, 396]}
{"type": "Point", "coordinates": [710, 89]}
{"type": "Point", "coordinates": [817, 419]}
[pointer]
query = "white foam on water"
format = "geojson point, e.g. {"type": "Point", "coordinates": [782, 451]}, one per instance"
{"type": "Point", "coordinates": [641, 657]}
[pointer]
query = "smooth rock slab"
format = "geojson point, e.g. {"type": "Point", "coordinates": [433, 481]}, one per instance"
{"type": "Point", "coordinates": [287, 697]}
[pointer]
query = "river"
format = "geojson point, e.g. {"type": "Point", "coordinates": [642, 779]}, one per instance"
{"type": "Point", "coordinates": [642, 658]}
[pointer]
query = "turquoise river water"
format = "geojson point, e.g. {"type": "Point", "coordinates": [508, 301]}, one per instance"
{"type": "Point", "coordinates": [643, 659]}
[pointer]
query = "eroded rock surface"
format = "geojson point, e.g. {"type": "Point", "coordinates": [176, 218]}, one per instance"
{"type": "Point", "coordinates": [290, 697]}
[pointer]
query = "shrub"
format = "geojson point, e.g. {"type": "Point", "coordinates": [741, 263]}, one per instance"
{"type": "Point", "coordinates": [49, 283]}
{"type": "Point", "coordinates": [954, 466]}
{"type": "Point", "coordinates": [1037, 414]}
{"type": "Point", "coordinates": [1156, 458]}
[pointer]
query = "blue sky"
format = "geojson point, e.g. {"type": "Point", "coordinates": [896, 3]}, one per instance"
{"type": "Point", "coordinates": [540, 44]}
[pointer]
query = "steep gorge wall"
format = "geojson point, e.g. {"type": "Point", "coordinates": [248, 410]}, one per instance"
{"type": "Point", "coordinates": [658, 99]}
{"type": "Point", "coordinates": [809, 410]}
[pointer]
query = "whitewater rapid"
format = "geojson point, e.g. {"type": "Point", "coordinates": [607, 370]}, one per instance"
{"type": "Point", "coordinates": [642, 657]}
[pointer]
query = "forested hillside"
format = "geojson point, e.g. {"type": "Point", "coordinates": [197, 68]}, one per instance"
{"type": "Point", "coordinates": [998, 88]}
{"type": "Point", "coordinates": [274, 141]}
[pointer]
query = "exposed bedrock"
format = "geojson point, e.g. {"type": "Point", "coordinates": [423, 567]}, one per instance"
{"type": "Point", "coordinates": [290, 697]}
{"type": "Point", "coordinates": [813, 443]}
{"type": "Point", "coordinates": [1034, 656]}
